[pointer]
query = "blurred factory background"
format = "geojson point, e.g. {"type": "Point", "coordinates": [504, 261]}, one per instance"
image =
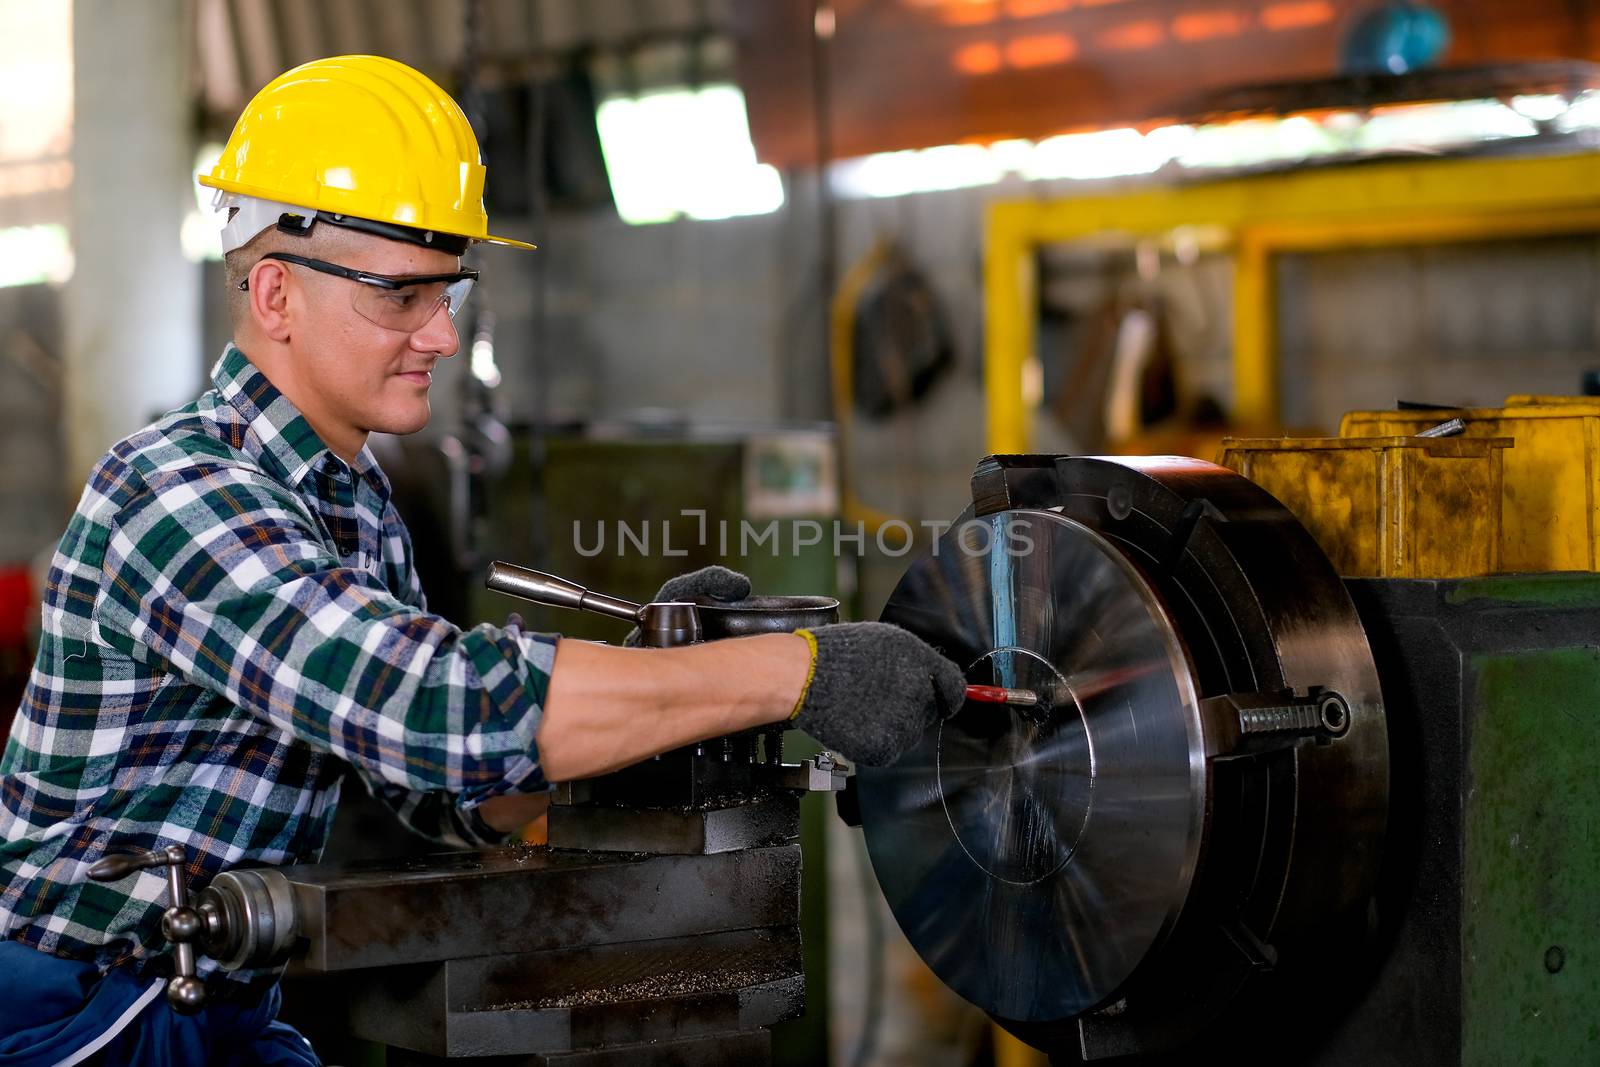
{"type": "Point", "coordinates": [812, 260]}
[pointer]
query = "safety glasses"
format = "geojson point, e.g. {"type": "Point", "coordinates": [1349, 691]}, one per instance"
{"type": "Point", "coordinates": [402, 302]}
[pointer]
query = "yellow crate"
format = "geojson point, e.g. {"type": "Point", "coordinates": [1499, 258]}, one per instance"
{"type": "Point", "coordinates": [1550, 516]}
{"type": "Point", "coordinates": [1393, 507]}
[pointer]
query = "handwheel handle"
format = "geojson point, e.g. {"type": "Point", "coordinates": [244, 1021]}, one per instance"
{"type": "Point", "coordinates": [180, 924]}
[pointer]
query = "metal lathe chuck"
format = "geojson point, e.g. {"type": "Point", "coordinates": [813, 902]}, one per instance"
{"type": "Point", "coordinates": [1186, 829]}
{"type": "Point", "coordinates": [249, 918]}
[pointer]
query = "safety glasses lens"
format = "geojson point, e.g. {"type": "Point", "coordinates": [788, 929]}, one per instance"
{"type": "Point", "coordinates": [410, 307]}
{"type": "Point", "coordinates": [456, 293]}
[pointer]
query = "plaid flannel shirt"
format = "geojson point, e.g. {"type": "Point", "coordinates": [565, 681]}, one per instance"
{"type": "Point", "coordinates": [231, 618]}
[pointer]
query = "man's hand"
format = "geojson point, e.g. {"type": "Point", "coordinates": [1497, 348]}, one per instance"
{"type": "Point", "coordinates": [513, 813]}
{"type": "Point", "coordinates": [713, 581]}
{"type": "Point", "coordinates": [875, 689]}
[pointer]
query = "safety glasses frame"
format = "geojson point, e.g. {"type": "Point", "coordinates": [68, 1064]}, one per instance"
{"type": "Point", "coordinates": [457, 284]}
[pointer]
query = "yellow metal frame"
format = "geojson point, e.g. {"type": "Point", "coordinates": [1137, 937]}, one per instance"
{"type": "Point", "coordinates": [1435, 201]}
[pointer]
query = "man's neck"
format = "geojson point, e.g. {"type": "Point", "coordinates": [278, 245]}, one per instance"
{"type": "Point", "coordinates": [349, 456]}
{"type": "Point", "coordinates": [345, 442]}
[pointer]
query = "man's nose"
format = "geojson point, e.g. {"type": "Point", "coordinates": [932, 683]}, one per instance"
{"type": "Point", "coordinates": [438, 335]}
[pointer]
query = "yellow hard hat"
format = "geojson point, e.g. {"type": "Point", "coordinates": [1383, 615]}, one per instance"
{"type": "Point", "coordinates": [364, 142]}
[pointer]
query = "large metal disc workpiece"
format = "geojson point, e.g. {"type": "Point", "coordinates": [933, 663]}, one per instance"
{"type": "Point", "coordinates": [1125, 855]}
{"type": "Point", "coordinates": [1080, 816]}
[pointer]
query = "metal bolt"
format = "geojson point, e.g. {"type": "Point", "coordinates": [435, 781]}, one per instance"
{"type": "Point", "coordinates": [186, 993]}
{"type": "Point", "coordinates": [1119, 501]}
{"type": "Point", "coordinates": [1448, 428]}
{"type": "Point", "coordinates": [181, 924]}
{"type": "Point", "coordinates": [1334, 713]}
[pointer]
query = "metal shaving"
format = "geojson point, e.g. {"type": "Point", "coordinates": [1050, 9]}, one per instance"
{"type": "Point", "coordinates": [670, 984]}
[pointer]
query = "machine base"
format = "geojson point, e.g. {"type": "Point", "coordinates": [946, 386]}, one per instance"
{"type": "Point", "coordinates": [1488, 908]}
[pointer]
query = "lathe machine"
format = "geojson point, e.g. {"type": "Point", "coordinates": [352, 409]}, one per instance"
{"type": "Point", "coordinates": [1259, 812]}
{"type": "Point", "coordinates": [660, 924]}
{"type": "Point", "coordinates": [1253, 809]}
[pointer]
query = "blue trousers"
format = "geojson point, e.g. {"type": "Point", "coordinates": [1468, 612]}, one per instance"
{"type": "Point", "coordinates": [54, 1010]}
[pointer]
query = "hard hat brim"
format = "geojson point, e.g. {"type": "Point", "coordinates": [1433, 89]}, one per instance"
{"type": "Point", "coordinates": [509, 242]}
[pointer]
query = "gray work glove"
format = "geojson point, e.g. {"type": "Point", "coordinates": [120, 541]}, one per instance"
{"type": "Point", "coordinates": [714, 581]}
{"type": "Point", "coordinates": [875, 689]}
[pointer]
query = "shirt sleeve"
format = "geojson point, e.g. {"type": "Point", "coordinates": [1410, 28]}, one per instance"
{"type": "Point", "coordinates": [217, 573]}
{"type": "Point", "coordinates": [437, 815]}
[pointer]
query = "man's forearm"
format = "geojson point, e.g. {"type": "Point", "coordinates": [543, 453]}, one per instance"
{"type": "Point", "coordinates": [608, 707]}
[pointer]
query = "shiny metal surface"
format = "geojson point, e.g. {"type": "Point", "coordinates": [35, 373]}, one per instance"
{"type": "Point", "coordinates": [542, 588]}
{"type": "Point", "coordinates": [764, 614]}
{"type": "Point", "coordinates": [675, 831]}
{"type": "Point", "coordinates": [1035, 856]}
{"type": "Point", "coordinates": [356, 916]}
{"type": "Point", "coordinates": [250, 917]}
{"type": "Point", "coordinates": [181, 925]}
{"type": "Point", "coordinates": [667, 624]}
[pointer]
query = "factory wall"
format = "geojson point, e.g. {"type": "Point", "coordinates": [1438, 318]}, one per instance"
{"type": "Point", "coordinates": [1460, 324]}
{"type": "Point", "coordinates": [723, 321]}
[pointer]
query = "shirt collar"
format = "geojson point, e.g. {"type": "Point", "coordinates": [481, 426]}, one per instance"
{"type": "Point", "coordinates": [287, 440]}
{"type": "Point", "coordinates": [366, 466]}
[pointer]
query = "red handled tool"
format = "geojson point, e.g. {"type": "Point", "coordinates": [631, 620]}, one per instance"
{"type": "Point", "coordinates": [999, 694]}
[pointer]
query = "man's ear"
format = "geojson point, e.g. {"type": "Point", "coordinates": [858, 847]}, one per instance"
{"type": "Point", "coordinates": [269, 299]}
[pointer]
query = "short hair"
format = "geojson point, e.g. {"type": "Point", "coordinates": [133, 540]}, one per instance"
{"type": "Point", "coordinates": [323, 242]}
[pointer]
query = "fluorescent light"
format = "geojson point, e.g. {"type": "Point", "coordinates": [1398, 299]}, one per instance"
{"type": "Point", "coordinates": [956, 166]}
{"type": "Point", "coordinates": [1544, 107]}
{"type": "Point", "coordinates": [1439, 125]}
{"type": "Point", "coordinates": [1246, 143]}
{"type": "Point", "coordinates": [1104, 154]}
{"type": "Point", "coordinates": [1253, 142]}
{"type": "Point", "coordinates": [1583, 114]}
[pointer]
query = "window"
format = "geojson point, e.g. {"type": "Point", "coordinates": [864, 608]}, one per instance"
{"type": "Point", "coordinates": [35, 141]}
{"type": "Point", "coordinates": [684, 153]}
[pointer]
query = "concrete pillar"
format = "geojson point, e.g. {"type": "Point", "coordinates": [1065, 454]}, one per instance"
{"type": "Point", "coordinates": [132, 309]}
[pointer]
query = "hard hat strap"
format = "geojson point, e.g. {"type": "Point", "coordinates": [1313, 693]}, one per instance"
{"type": "Point", "coordinates": [247, 216]}
{"type": "Point", "coordinates": [454, 244]}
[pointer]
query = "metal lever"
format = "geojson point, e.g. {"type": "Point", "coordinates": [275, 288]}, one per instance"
{"type": "Point", "coordinates": [181, 924]}
{"type": "Point", "coordinates": [663, 624]}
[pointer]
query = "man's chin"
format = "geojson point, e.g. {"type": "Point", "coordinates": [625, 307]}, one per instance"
{"type": "Point", "coordinates": [401, 423]}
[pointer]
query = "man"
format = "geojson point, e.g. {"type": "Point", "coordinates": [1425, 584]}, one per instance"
{"type": "Point", "coordinates": [232, 616]}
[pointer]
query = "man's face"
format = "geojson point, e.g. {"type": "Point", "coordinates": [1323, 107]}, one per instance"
{"type": "Point", "coordinates": [363, 376]}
